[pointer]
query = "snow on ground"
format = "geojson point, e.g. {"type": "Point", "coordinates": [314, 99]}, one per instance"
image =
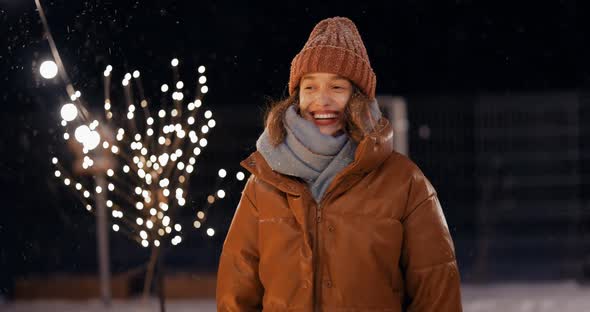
{"type": "Point", "coordinates": [554, 297]}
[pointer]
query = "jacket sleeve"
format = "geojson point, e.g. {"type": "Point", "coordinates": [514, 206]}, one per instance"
{"type": "Point", "coordinates": [428, 256]}
{"type": "Point", "coordinates": [238, 284]}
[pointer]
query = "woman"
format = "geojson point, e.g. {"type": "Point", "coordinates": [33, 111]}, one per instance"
{"type": "Point", "coordinates": [332, 219]}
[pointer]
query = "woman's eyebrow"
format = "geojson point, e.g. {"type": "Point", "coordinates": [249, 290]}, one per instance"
{"type": "Point", "coordinates": [338, 78]}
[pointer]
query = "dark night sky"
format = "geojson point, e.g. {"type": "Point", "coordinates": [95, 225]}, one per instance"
{"type": "Point", "coordinates": [416, 47]}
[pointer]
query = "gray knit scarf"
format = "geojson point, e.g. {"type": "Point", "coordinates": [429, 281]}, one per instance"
{"type": "Point", "coordinates": [307, 153]}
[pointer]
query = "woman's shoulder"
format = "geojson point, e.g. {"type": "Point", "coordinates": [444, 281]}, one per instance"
{"type": "Point", "coordinates": [400, 169]}
{"type": "Point", "coordinates": [401, 164]}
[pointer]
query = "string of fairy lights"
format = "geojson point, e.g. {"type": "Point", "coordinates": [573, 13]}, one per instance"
{"type": "Point", "coordinates": [147, 152]}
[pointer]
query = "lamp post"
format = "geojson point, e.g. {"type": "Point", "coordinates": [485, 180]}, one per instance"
{"type": "Point", "coordinates": [96, 166]}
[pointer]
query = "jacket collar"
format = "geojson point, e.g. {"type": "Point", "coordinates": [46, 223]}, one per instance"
{"type": "Point", "coordinates": [371, 152]}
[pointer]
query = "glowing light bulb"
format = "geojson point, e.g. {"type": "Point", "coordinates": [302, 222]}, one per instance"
{"type": "Point", "coordinates": [178, 96]}
{"type": "Point", "coordinates": [92, 140]}
{"type": "Point", "coordinates": [221, 193]}
{"type": "Point", "coordinates": [210, 232]}
{"type": "Point", "coordinates": [174, 62]}
{"type": "Point", "coordinates": [222, 173]}
{"type": "Point", "coordinates": [201, 69]}
{"type": "Point", "coordinates": [240, 176]}
{"type": "Point", "coordinates": [69, 112]}
{"type": "Point", "coordinates": [81, 133]}
{"type": "Point", "coordinates": [48, 69]}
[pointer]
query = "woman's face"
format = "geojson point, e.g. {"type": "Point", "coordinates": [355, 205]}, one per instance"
{"type": "Point", "coordinates": [322, 99]}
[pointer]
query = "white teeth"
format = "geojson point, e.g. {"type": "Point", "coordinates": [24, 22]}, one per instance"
{"type": "Point", "coordinates": [325, 116]}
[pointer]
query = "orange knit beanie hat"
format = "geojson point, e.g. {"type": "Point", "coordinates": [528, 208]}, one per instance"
{"type": "Point", "coordinates": [335, 46]}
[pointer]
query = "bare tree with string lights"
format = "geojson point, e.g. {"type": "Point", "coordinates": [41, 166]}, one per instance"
{"type": "Point", "coordinates": [148, 157]}
{"type": "Point", "coordinates": [135, 159]}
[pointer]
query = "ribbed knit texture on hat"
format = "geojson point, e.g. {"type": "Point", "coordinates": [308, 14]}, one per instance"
{"type": "Point", "coordinates": [335, 46]}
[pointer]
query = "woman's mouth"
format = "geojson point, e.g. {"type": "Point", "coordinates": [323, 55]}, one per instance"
{"type": "Point", "coordinates": [325, 118]}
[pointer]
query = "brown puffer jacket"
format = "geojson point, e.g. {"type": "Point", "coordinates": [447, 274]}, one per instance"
{"type": "Point", "coordinates": [377, 241]}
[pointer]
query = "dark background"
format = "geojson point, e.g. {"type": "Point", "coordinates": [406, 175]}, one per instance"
{"type": "Point", "coordinates": [441, 56]}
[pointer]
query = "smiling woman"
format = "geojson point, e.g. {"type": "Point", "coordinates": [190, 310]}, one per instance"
{"type": "Point", "coordinates": [332, 218]}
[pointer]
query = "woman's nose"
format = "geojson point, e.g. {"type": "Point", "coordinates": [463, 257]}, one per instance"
{"type": "Point", "coordinates": [323, 97]}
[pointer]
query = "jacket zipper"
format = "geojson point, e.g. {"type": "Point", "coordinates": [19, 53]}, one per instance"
{"type": "Point", "coordinates": [317, 276]}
